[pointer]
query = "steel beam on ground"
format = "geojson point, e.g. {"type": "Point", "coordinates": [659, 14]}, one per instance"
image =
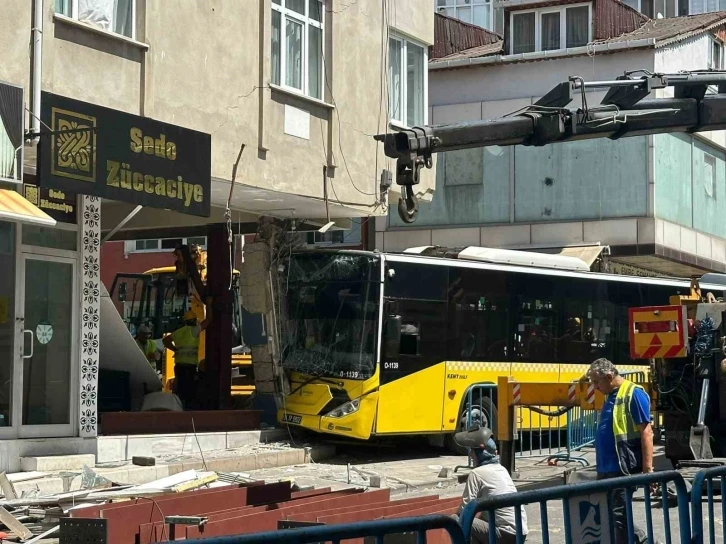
{"type": "Point", "coordinates": [445, 506]}
{"type": "Point", "coordinates": [311, 492]}
{"type": "Point", "coordinates": [313, 516]}
{"type": "Point", "coordinates": [124, 521]}
{"type": "Point", "coordinates": [267, 521]}
{"type": "Point", "coordinates": [377, 512]}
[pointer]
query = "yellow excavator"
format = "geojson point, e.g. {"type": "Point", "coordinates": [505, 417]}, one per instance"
{"type": "Point", "coordinates": [160, 297]}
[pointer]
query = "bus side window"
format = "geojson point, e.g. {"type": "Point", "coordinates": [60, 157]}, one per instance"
{"type": "Point", "coordinates": [410, 337]}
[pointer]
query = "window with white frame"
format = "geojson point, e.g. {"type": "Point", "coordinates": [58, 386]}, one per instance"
{"type": "Point", "coordinates": [548, 29]}
{"type": "Point", "coordinates": [164, 244]}
{"type": "Point", "coordinates": [715, 56]}
{"type": "Point", "coordinates": [297, 45]}
{"type": "Point", "coordinates": [696, 7]}
{"type": "Point", "coordinates": [643, 6]}
{"type": "Point", "coordinates": [476, 12]}
{"type": "Point", "coordinates": [407, 81]}
{"type": "Point", "coordinates": [117, 16]}
{"type": "Point", "coordinates": [709, 175]}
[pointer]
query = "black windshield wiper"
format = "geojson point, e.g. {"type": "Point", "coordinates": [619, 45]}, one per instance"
{"type": "Point", "coordinates": [312, 379]}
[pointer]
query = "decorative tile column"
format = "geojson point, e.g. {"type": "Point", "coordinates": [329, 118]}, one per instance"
{"type": "Point", "coordinates": [90, 233]}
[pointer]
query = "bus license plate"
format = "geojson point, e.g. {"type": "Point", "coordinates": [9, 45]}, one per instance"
{"type": "Point", "coordinates": [290, 418]}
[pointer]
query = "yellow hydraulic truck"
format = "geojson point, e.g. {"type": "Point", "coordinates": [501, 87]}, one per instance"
{"type": "Point", "coordinates": [685, 342]}
{"type": "Point", "coordinates": [159, 297]}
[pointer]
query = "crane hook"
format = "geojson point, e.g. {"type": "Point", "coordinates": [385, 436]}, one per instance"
{"type": "Point", "coordinates": [407, 205]}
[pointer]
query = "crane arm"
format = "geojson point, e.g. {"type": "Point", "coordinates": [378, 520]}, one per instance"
{"type": "Point", "coordinates": [625, 111]}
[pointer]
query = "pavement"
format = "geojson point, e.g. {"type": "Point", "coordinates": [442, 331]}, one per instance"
{"type": "Point", "coordinates": [420, 472]}
{"type": "Point", "coordinates": [409, 470]}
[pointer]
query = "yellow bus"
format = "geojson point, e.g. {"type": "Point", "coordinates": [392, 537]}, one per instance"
{"type": "Point", "coordinates": [154, 299]}
{"type": "Point", "coordinates": [382, 344]}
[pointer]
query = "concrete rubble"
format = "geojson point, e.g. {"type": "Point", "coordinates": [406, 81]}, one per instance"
{"type": "Point", "coordinates": [34, 502]}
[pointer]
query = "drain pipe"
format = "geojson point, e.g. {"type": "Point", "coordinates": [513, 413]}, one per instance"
{"type": "Point", "coordinates": [36, 68]}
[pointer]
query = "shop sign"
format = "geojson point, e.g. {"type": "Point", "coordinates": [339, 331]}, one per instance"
{"type": "Point", "coordinates": [613, 267]}
{"type": "Point", "coordinates": [60, 205]}
{"type": "Point", "coordinates": [92, 150]}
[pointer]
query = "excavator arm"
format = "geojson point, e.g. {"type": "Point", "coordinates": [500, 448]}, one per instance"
{"type": "Point", "coordinates": [625, 111]}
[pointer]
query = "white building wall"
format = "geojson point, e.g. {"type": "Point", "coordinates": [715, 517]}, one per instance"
{"type": "Point", "coordinates": [692, 54]}
{"type": "Point", "coordinates": [525, 80]}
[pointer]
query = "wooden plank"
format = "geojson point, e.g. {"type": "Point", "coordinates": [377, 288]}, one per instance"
{"type": "Point", "coordinates": [14, 525]}
{"type": "Point", "coordinates": [7, 487]}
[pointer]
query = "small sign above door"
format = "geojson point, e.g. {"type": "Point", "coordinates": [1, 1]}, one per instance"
{"type": "Point", "coordinates": [60, 205]}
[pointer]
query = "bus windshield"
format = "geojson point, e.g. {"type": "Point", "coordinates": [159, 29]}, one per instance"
{"type": "Point", "coordinates": [332, 315]}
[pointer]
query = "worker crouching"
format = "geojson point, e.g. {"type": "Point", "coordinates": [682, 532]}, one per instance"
{"type": "Point", "coordinates": [488, 479]}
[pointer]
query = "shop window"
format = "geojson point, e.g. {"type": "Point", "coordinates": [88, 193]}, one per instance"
{"type": "Point", "coordinates": [117, 16]}
{"type": "Point", "coordinates": [54, 238]}
{"type": "Point", "coordinates": [164, 244]}
{"type": "Point", "coordinates": [171, 243]}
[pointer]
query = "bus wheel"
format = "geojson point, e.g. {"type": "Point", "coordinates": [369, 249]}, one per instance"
{"type": "Point", "coordinates": [484, 414]}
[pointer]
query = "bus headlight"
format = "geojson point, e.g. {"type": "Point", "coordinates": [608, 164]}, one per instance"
{"type": "Point", "coordinates": [345, 409]}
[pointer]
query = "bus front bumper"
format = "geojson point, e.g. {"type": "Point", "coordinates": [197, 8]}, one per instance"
{"type": "Point", "coordinates": [358, 424]}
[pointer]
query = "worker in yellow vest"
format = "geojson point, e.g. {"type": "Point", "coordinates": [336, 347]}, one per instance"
{"type": "Point", "coordinates": [184, 342]}
{"type": "Point", "coordinates": [148, 346]}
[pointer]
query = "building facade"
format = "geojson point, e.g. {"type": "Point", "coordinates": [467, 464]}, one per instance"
{"type": "Point", "coordinates": [491, 14]}
{"type": "Point", "coordinates": [278, 87]}
{"type": "Point", "coordinates": [646, 204]}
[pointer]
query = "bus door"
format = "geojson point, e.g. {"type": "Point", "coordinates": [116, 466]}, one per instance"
{"type": "Point", "coordinates": [411, 393]}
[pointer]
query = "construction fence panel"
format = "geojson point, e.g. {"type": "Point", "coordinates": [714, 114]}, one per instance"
{"type": "Point", "coordinates": [539, 434]}
{"type": "Point", "coordinates": [708, 480]}
{"type": "Point", "coordinates": [377, 531]}
{"type": "Point", "coordinates": [587, 509]}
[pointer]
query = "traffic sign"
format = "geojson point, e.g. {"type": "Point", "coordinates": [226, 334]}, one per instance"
{"type": "Point", "coordinates": [658, 332]}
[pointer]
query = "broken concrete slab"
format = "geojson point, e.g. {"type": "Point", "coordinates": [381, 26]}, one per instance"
{"type": "Point", "coordinates": [56, 463]}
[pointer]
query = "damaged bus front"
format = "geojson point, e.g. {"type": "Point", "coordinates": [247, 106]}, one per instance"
{"type": "Point", "coordinates": [331, 331]}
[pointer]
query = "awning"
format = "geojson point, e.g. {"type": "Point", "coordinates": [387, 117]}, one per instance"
{"type": "Point", "coordinates": [13, 207]}
{"type": "Point", "coordinates": [589, 254]}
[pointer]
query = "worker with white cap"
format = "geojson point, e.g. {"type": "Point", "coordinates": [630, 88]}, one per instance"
{"type": "Point", "coordinates": [487, 479]}
{"type": "Point", "coordinates": [184, 342]}
{"type": "Point", "coordinates": [148, 346]}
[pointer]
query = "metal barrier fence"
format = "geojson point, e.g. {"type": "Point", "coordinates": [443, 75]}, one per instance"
{"type": "Point", "coordinates": [581, 430]}
{"type": "Point", "coordinates": [539, 435]}
{"type": "Point", "coordinates": [587, 508]}
{"type": "Point", "coordinates": [377, 529]}
{"type": "Point", "coordinates": [706, 478]}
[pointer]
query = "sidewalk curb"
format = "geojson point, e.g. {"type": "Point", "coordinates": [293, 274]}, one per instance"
{"type": "Point", "coordinates": [137, 475]}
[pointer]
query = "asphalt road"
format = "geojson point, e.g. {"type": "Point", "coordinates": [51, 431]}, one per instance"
{"type": "Point", "coordinates": [413, 468]}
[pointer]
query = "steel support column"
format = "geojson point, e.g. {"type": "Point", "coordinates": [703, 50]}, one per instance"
{"type": "Point", "coordinates": [217, 382]}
